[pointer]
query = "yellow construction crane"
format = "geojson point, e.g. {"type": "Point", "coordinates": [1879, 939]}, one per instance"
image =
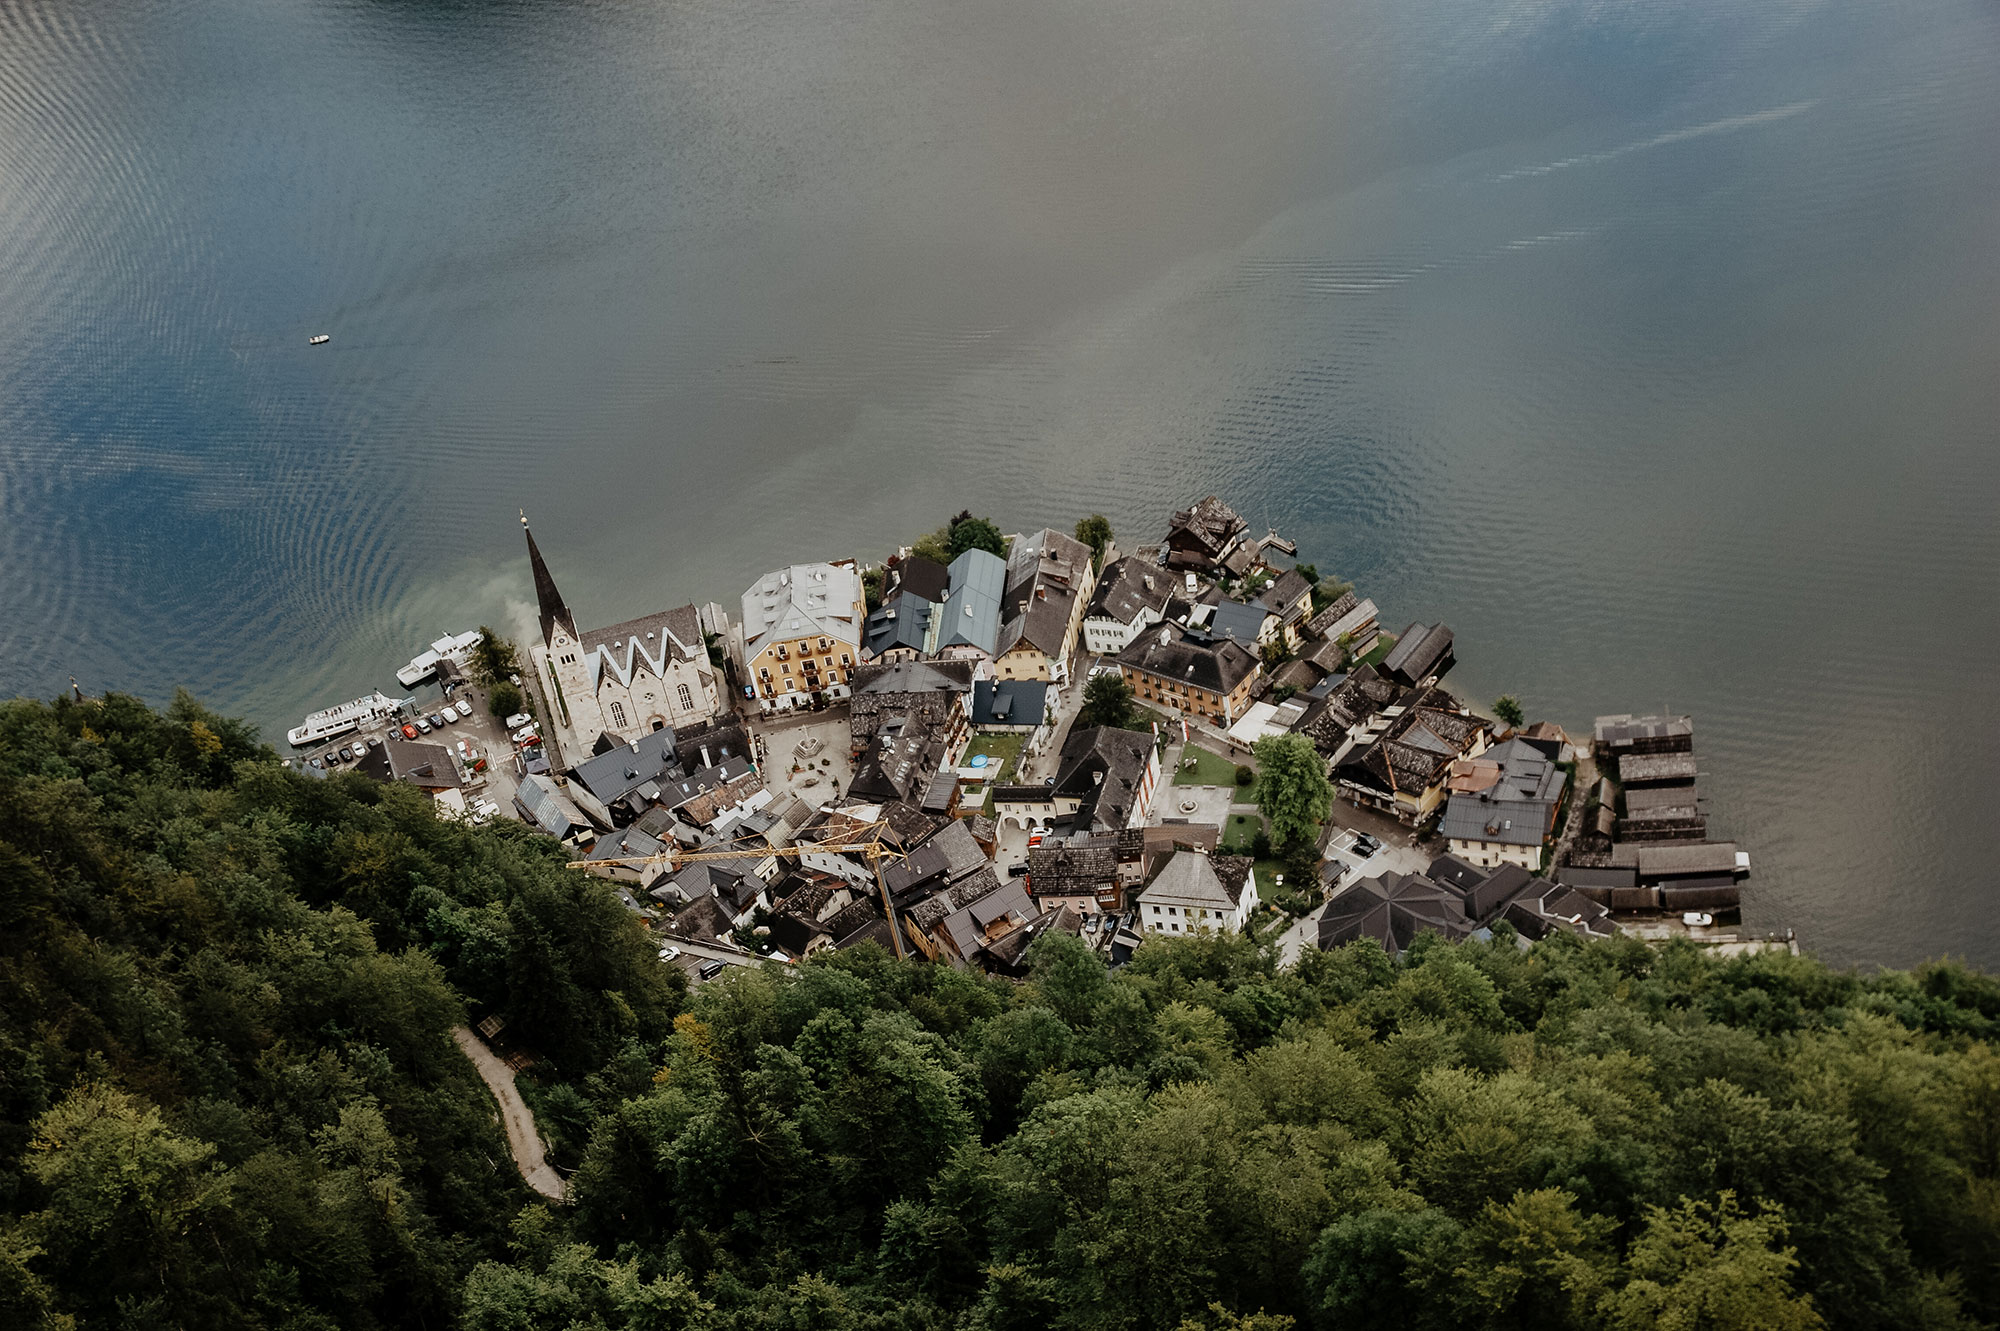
{"type": "Point", "coordinates": [872, 850]}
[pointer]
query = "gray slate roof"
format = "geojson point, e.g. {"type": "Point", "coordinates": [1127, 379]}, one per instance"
{"type": "Point", "coordinates": [548, 808]}
{"type": "Point", "coordinates": [1009, 702]}
{"type": "Point", "coordinates": [1122, 593]}
{"type": "Point", "coordinates": [970, 614]}
{"type": "Point", "coordinates": [1238, 622]}
{"type": "Point", "coordinates": [1218, 665]}
{"type": "Point", "coordinates": [1422, 651]}
{"type": "Point", "coordinates": [639, 766]}
{"type": "Point", "coordinates": [1392, 909]}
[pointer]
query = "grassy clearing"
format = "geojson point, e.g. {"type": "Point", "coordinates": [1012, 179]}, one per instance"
{"type": "Point", "coordinates": [1383, 646]}
{"type": "Point", "coordinates": [1210, 769]}
{"type": "Point", "coordinates": [1003, 754]}
{"type": "Point", "coordinates": [1239, 831]}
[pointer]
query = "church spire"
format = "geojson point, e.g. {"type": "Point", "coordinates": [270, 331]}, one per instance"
{"type": "Point", "coordinates": [554, 609]}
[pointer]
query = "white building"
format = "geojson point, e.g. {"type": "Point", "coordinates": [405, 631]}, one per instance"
{"type": "Point", "coordinates": [1193, 891]}
{"type": "Point", "coordinates": [1131, 593]}
{"type": "Point", "coordinates": [625, 681]}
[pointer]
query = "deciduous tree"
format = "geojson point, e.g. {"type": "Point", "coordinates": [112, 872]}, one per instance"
{"type": "Point", "coordinates": [1292, 789]}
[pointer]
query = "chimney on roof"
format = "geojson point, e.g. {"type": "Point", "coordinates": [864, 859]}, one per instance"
{"type": "Point", "coordinates": [1042, 593]}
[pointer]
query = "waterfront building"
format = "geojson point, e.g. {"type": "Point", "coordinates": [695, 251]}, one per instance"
{"type": "Point", "coordinates": [1204, 537]}
{"type": "Point", "coordinates": [1290, 598]}
{"type": "Point", "coordinates": [631, 679]}
{"type": "Point", "coordinates": [949, 613]}
{"type": "Point", "coordinates": [1501, 807]}
{"type": "Point", "coordinates": [1131, 593]}
{"type": "Point", "coordinates": [802, 628]}
{"type": "Point", "coordinates": [1423, 654]}
{"type": "Point", "coordinates": [1050, 578]}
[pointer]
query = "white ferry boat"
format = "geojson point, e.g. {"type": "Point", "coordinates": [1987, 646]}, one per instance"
{"type": "Point", "coordinates": [339, 720]}
{"type": "Point", "coordinates": [456, 649]}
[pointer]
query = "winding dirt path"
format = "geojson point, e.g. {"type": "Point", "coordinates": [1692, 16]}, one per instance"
{"type": "Point", "coordinates": [522, 1139]}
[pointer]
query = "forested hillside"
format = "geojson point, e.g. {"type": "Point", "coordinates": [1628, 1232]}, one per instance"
{"type": "Point", "coordinates": [228, 1098]}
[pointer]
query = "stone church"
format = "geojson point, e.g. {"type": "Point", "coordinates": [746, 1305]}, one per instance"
{"type": "Point", "coordinates": [624, 681]}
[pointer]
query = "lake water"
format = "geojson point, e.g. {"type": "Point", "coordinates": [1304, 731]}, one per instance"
{"type": "Point", "coordinates": [1651, 346]}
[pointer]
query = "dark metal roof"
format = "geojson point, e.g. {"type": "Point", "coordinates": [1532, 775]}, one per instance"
{"type": "Point", "coordinates": [553, 608]}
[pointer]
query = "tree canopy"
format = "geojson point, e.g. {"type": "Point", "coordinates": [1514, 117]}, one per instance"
{"type": "Point", "coordinates": [1095, 532]}
{"type": "Point", "coordinates": [231, 1101]}
{"type": "Point", "coordinates": [1107, 701]}
{"type": "Point", "coordinates": [1292, 789]}
{"type": "Point", "coordinates": [1508, 709]}
{"type": "Point", "coordinates": [964, 532]}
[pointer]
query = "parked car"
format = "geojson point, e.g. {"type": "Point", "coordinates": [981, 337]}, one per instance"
{"type": "Point", "coordinates": [517, 720]}
{"type": "Point", "coordinates": [1697, 918]}
{"type": "Point", "coordinates": [711, 969]}
{"type": "Point", "coordinates": [464, 709]}
{"type": "Point", "coordinates": [437, 720]}
{"type": "Point", "coordinates": [423, 726]}
{"type": "Point", "coordinates": [1017, 871]}
{"type": "Point", "coordinates": [347, 754]}
{"type": "Point", "coordinates": [374, 741]}
{"type": "Point", "coordinates": [669, 953]}
{"type": "Point", "coordinates": [332, 757]}
{"type": "Point", "coordinates": [409, 732]}
{"type": "Point", "coordinates": [316, 762]}
{"type": "Point", "coordinates": [524, 735]}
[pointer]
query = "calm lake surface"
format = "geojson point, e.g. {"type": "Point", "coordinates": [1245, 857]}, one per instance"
{"type": "Point", "coordinates": [1656, 348]}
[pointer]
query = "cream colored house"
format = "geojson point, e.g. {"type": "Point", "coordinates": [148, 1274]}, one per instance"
{"type": "Point", "coordinates": [1194, 891]}
{"type": "Point", "coordinates": [802, 629]}
{"type": "Point", "coordinates": [1050, 580]}
{"type": "Point", "coordinates": [625, 681]}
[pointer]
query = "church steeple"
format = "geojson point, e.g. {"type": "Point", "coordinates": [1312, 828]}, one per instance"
{"type": "Point", "coordinates": [554, 609]}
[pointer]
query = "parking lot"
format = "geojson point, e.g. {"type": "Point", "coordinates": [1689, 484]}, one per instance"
{"type": "Point", "coordinates": [481, 732]}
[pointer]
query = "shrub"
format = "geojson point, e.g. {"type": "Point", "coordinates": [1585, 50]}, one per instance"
{"type": "Point", "coordinates": [1244, 776]}
{"type": "Point", "coordinates": [506, 699]}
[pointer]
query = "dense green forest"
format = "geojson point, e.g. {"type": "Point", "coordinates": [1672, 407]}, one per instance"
{"type": "Point", "coordinates": [229, 1098]}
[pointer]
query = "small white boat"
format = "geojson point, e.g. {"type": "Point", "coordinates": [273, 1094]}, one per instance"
{"type": "Point", "coordinates": [455, 648]}
{"type": "Point", "coordinates": [319, 339]}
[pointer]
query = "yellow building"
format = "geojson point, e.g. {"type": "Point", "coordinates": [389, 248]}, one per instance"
{"type": "Point", "coordinates": [1211, 678]}
{"type": "Point", "coordinates": [802, 634]}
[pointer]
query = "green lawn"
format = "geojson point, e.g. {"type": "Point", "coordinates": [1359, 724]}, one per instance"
{"type": "Point", "coordinates": [1210, 769]}
{"type": "Point", "coordinates": [1238, 832]}
{"type": "Point", "coordinates": [1002, 753]}
{"type": "Point", "coordinates": [1383, 645]}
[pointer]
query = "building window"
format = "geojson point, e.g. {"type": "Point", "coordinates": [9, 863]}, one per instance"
{"type": "Point", "coordinates": [844, 659]}
{"type": "Point", "coordinates": [791, 686]}
{"type": "Point", "coordinates": [787, 669]}
{"type": "Point", "coordinates": [687, 699]}
{"type": "Point", "coordinates": [618, 715]}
